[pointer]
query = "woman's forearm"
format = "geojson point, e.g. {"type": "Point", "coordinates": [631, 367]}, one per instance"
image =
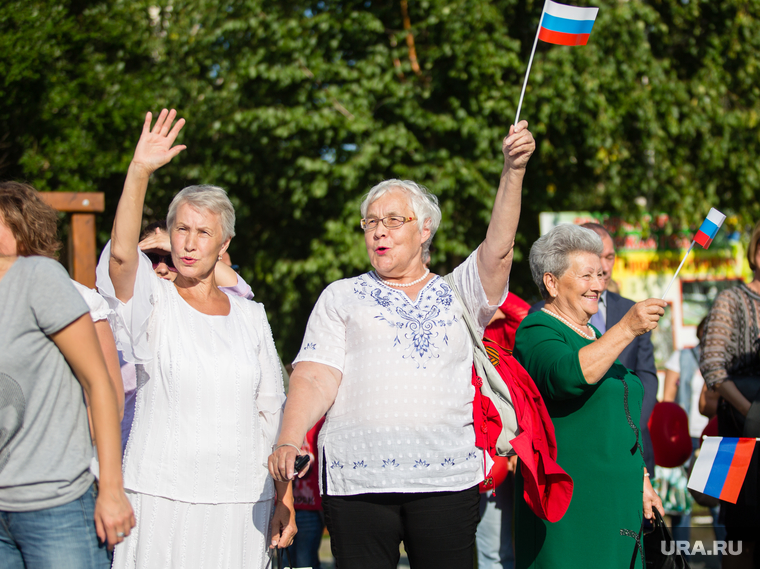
{"type": "Point", "coordinates": [597, 358]}
{"type": "Point", "coordinates": [495, 253]}
{"type": "Point", "coordinates": [79, 345]}
{"type": "Point", "coordinates": [313, 388]}
{"type": "Point", "coordinates": [125, 234]}
{"type": "Point", "coordinates": [731, 393]}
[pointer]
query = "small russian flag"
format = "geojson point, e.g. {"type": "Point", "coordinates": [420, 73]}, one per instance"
{"type": "Point", "coordinates": [566, 25]}
{"type": "Point", "coordinates": [709, 228]}
{"type": "Point", "coordinates": [721, 467]}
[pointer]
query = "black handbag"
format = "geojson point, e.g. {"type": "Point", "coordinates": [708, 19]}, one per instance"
{"type": "Point", "coordinates": [660, 551]}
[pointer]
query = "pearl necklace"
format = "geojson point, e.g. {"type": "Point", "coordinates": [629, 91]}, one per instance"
{"type": "Point", "coordinates": [404, 285]}
{"type": "Point", "coordinates": [581, 332]}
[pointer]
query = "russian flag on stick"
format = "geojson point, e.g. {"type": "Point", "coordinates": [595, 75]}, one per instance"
{"type": "Point", "coordinates": [705, 235]}
{"type": "Point", "coordinates": [563, 25]}
{"type": "Point", "coordinates": [566, 25]}
{"type": "Point", "coordinates": [709, 228]}
{"type": "Point", "coordinates": [721, 467]}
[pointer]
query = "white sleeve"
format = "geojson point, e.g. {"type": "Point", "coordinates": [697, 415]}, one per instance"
{"type": "Point", "coordinates": [270, 399]}
{"type": "Point", "coordinates": [324, 341]}
{"type": "Point", "coordinates": [473, 294]}
{"type": "Point", "coordinates": [674, 362]}
{"type": "Point", "coordinates": [129, 321]}
{"type": "Point", "coordinates": [97, 304]}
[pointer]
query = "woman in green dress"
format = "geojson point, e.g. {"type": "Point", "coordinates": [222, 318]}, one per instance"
{"type": "Point", "coordinates": [595, 404]}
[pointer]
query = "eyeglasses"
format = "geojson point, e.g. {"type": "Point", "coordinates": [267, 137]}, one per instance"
{"type": "Point", "coordinates": [391, 222]}
{"type": "Point", "coordinates": [157, 259]}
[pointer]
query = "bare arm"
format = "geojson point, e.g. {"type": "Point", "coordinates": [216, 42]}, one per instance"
{"type": "Point", "coordinates": [78, 343]}
{"type": "Point", "coordinates": [731, 393]}
{"type": "Point", "coordinates": [225, 275]}
{"type": "Point", "coordinates": [708, 402]}
{"type": "Point", "coordinates": [284, 518]}
{"type": "Point", "coordinates": [598, 357]}
{"type": "Point", "coordinates": [154, 149]}
{"type": "Point", "coordinates": [111, 355]}
{"type": "Point", "coordinates": [313, 389]}
{"type": "Point", "coordinates": [495, 253]}
{"type": "Point", "coordinates": [670, 389]}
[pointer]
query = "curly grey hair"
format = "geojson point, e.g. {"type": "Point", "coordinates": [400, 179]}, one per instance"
{"type": "Point", "coordinates": [209, 198]}
{"type": "Point", "coordinates": [424, 205]}
{"type": "Point", "coordinates": [551, 252]}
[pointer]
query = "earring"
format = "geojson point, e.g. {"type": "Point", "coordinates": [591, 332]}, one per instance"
{"type": "Point", "coordinates": [219, 258]}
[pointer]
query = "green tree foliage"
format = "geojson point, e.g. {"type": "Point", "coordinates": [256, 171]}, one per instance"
{"type": "Point", "coordinates": [298, 108]}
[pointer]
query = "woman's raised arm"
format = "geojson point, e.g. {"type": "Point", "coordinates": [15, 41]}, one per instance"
{"type": "Point", "coordinates": [495, 254]}
{"type": "Point", "coordinates": [154, 149]}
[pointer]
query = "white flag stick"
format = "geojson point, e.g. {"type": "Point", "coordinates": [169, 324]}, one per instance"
{"type": "Point", "coordinates": [677, 270]}
{"type": "Point", "coordinates": [530, 63]}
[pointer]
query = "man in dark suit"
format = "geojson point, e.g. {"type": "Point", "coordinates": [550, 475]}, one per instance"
{"type": "Point", "coordinates": [639, 355]}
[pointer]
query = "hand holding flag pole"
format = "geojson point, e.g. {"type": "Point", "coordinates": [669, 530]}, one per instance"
{"type": "Point", "coordinates": [562, 25]}
{"type": "Point", "coordinates": [705, 235]}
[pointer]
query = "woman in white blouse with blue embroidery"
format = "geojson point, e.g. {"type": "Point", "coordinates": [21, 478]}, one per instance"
{"type": "Point", "coordinates": [388, 357]}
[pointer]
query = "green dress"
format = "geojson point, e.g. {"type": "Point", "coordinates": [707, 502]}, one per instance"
{"type": "Point", "coordinates": [598, 445]}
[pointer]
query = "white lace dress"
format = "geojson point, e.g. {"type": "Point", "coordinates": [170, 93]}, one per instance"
{"type": "Point", "coordinates": [208, 408]}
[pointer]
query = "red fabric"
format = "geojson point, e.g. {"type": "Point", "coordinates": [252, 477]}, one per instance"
{"type": "Point", "coordinates": [306, 490]}
{"type": "Point", "coordinates": [669, 430]}
{"type": "Point", "coordinates": [548, 488]}
{"type": "Point", "coordinates": [502, 330]}
{"type": "Point", "coordinates": [710, 430]}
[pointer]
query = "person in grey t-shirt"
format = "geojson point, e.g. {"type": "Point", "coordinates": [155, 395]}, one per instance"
{"type": "Point", "coordinates": [46, 336]}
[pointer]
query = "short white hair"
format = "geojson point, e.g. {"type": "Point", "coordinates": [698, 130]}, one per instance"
{"type": "Point", "coordinates": [424, 205]}
{"type": "Point", "coordinates": [551, 252]}
{"type": "Point", "coordinates": [208, 198]}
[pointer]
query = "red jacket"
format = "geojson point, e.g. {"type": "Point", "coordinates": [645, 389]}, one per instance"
{"type": "Point", "coordinates": [547, 488]}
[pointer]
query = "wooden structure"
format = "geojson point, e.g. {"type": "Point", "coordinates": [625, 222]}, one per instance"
{"type": "Point", "coordinates": [81, 246]}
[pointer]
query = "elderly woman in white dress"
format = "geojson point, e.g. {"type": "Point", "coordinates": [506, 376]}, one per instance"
{"type": "Point", "coordinates": [209, 386]}
{"type": "Point", "coordinates": [388, 357]}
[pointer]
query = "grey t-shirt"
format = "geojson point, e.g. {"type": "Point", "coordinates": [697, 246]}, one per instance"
{"type": "Point", "coordinates": [45, 445]}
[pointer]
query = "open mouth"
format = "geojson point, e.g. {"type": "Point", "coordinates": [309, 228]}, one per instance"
{"type": "Point", "coordinates": [382, 250]}
{"type": "Point", "coordinates": [188, 260]}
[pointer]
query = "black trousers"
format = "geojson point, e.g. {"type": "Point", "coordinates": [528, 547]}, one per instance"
{"type": "Point", "coordinates": [437, 528]}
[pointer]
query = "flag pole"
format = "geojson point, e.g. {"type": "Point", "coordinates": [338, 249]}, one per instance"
{"type": "Point", "coordinates": [677, 270]}
{"type": "Point", "coordinates": [530, 63]}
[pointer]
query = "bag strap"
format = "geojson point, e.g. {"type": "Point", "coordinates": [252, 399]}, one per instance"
{"type": "Point", "coordinates": [494, 387]}
{"type": "Point", "coordinates": [469, 320]}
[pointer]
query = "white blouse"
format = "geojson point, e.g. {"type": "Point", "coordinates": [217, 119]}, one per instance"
{"type": "Point", "coordinates": [209, 393]}
{"type": "Point", "coordinates": [402, 419]}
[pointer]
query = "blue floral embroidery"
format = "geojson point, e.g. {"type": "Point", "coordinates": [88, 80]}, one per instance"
{"type": "Point", "coordinates": [310, 346]}
{"type": "Point", "coordinates": [391, 462]}
{"type": "Point", "coordinates": [418, 323]}
{"type": "Point", "coordinates": [336, 464]}
{"type": "Point", "coordinates": [472, 454]}
{"type": "Point", "coordinates": [359, 464]}
{"type": "Point", "coordinates": [448, 462]}
{"type": "Point", "coordinates": [421, 464]}
{"type": "Point", "coordinates": [444, 295]}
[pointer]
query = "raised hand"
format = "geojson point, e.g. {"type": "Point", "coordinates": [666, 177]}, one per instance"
{"type": "Point", "coordinates": [644, 316]}
{"type": "Point", "coordinates": [154, 149]}
{"type": "Point", "coordinates": [518, 146]}
{"type": "Point", "coordinates": [157, 241]}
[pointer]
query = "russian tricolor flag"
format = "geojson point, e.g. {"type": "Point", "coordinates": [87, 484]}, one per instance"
{"type": "Point", "coordinates": [721, 467]}
{"type": "Point", "coordinates": [566, 25]}
{"type": "Point", "coordinates": [709, 228]}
